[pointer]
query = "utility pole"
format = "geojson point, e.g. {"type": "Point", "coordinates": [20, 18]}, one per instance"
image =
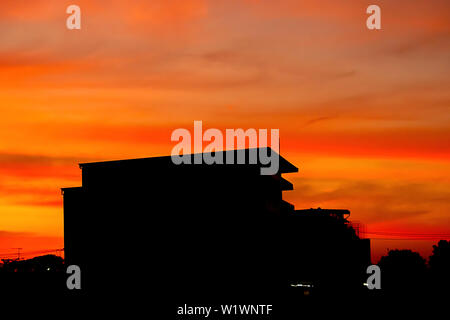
{"type": "Point", "coordinates": [18, 252]}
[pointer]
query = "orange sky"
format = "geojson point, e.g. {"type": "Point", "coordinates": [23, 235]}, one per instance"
{"type": "Point", "coordinates": [363, 114]}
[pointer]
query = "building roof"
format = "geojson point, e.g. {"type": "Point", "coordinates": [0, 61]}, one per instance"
{"type": "Point", "coordinates": [284, 165]}
{"type": "Point", "coordinates": [319, 212]}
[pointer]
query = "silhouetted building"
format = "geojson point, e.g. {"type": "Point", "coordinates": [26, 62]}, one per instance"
{"type": "Point", "coordinates": [198, 228]}
{"type": "Point", "coordinates": [331, 253]}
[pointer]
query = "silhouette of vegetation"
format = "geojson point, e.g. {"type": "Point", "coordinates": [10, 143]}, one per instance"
{"type": "Point", "coordinates": [46, 263]}
{"type": "Point", "coordinates": [43, 274]}
{"type": "Point", "coordinates": [403, 271]}
{"type": "Point", "coordinates": [406, 272]}
{"type": "Point", "coordinates": [439, 264]}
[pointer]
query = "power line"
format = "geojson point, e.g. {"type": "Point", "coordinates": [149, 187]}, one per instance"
{"type": "Point", "coordinates": [413, 239]}
{"type": "Point", "coordinates": [445, 235]}
{"type": "Point", "coordinates": [408, 236]}
{"type": "Point", "coordinates": [27, 253]}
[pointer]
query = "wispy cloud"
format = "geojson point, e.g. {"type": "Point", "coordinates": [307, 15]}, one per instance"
{"type": "Point", "coordinates": [382, 201]}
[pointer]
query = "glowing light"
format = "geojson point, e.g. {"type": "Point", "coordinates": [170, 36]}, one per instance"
{"type": "Point", "coordinates": [305, 285]}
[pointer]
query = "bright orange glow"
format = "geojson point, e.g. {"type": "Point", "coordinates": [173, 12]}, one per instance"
{"type": "Point", "coordinates": [363, 114]}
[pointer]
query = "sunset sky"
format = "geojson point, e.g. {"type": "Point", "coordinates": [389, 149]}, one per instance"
{"type": "Point", "coordinates": [365, 115]}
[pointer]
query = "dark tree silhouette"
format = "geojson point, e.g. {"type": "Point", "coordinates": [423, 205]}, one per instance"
{"type": "Point", "coordinates": [43, 274]}
{"type": "Point", "coordinates": [46, 263]}
{"type": "Point", "coordinates": [440, 264]}
{"type": "Point", "coordinates": [403, 271]}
